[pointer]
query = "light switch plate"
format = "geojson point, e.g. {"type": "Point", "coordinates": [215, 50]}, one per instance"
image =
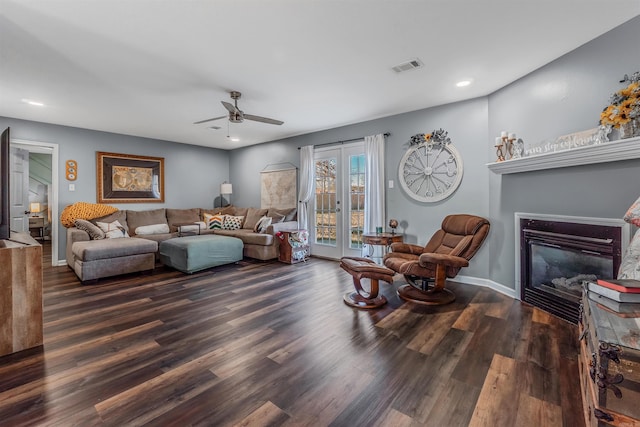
{"type": "Point", "coordinates": [390, 183]}
{"type": "Point", "coordinates": [72, 187]}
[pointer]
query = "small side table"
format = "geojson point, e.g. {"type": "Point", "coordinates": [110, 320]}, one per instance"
{"type": "Point", "coordinates": [384, 240]}
{"type": "Point", "coordinates": [37, 223]}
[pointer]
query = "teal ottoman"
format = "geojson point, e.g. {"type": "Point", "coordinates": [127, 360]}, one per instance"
{"type": "Point", "coordinates": [194, 253]}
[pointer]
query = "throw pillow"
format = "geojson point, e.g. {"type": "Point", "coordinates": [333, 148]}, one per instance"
{"type": "Point", "coordinates": [284, 213]}
{"type": "Point", "coordinates": [113, 230]}
{"type": "Point", "coordinates": [232, 222]}
{"type": "Point", "coordinates": [93, 230]}
{"type": "Point", "coordinates": [137, 219]}
{"type": "Point", "coordinates": [292, 215]}
{"type": "Point", "coordinates": [177, 217]}
{"type": "Point", "coordinates": [276, 218]}
{"type": "Point", "coordinates": [253, 216]}
{"type": "Point", "coordinates": [120, 216]}
{"type": "Point", "coordinates": [152, 229]}
{"type": "Point", "coordinates": [263, 224]}
{"type": "Point", "coordinates": [214, 221]}
{"type": "Point", "coordinates": [189, 229]}
{"type": "Point", "coordinates": [633, 214]}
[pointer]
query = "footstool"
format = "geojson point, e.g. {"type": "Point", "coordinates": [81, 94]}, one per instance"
{"type": "Point", "coordinates": [364, 268]}
{"type": "Point", "coordinates": [95, 259]}
{"type": "Point", "coordinates": [194, 253]}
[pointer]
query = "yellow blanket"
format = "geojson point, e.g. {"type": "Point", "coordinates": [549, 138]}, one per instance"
{"type": "Point", "coordinates": [83, 210]}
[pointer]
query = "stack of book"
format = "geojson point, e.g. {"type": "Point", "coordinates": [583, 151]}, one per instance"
{"type": "Point", "coordinates": [619, 295]}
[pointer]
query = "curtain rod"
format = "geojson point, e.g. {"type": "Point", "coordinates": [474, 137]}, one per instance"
{"type": "Point", "coordinates": [386, 134]}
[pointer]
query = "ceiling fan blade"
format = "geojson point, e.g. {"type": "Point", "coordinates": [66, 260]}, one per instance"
{"type": "Point", "coordinates": [230, 107]}
{"type": "Point", "coordinates": [263, 119]}
{"type": "Point", "coordinates": [209, 120]}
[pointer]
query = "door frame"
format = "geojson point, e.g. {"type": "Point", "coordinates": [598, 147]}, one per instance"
{"type": "Point", "coordinates": [53, 149]}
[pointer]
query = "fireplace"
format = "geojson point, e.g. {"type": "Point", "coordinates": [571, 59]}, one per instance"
{"type": "Point", "coordinates": [559, 253]}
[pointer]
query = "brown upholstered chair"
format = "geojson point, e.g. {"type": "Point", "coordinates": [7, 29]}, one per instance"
{"type": "Point", "coordinates": [426, 268]}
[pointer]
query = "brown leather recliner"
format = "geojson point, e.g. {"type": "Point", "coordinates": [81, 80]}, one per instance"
{"type": "Point", "coordinates": [427, 268]}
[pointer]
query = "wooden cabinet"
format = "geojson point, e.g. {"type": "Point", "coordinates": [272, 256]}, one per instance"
{"type": "Point", "coordinates": [609, 364]}
{"type": "Point", "coordinates": [20, 294]}
{"type": "Point", "coordinates": [294, 246]}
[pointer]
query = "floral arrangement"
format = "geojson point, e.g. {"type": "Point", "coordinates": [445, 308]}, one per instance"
{"type": "Point", "coordinates": [624, 104]}
{"type": "Point", "coordinates": [439, 136]}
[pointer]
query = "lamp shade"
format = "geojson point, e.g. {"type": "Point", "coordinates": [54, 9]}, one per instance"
{"type": "Point", "coordinates": [34, 207]}
{"type": "Point", "coordinates": [226, 188]}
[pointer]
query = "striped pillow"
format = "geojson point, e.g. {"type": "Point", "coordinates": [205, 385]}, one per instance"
{"type": "Point", "coordinates": [214, 221]}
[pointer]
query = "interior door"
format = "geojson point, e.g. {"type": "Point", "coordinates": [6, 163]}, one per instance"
{"type": "Point", "coordinates": [337, 218]}
{"type": "Point", "coordinates": [19, 181]}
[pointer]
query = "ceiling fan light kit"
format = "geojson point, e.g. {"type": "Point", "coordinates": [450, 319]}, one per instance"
{"type": "Point", "coordinates": [236, 115]}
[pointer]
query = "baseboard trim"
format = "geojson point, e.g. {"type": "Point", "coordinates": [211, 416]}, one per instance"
{"type": "Point", "coordinates": [62, 262]}
{"type": "Point", "coordinates": [486, 283]}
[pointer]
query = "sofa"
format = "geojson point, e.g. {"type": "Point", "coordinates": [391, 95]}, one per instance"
{"type": "Point", "coordinates": [129, 239]}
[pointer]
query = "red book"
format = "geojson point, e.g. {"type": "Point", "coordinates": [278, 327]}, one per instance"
{"type": "Point", "coordinates": [631, 286]}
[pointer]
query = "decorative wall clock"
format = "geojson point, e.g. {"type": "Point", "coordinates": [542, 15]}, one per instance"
{"type": "Point", "coordinates": [431, 169]}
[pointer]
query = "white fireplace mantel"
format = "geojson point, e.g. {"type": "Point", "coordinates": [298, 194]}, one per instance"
{"type": "Point", "coordinates": [613, 151]}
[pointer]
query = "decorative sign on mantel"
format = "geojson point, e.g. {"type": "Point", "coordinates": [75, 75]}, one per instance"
{"type": "Point", "coordinates": [585, 138]}
{"type": "Point", "coordinates": [624, 149]}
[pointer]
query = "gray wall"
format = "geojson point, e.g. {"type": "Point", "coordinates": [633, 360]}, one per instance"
{"type": "Point", "coordinates": [563, 97]}
{"type": "Point", "coordinates": [192, 173]}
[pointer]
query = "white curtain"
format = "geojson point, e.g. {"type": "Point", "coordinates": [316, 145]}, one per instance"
{"type": "Point", "coordinates": [374, 200]}
{"type": "Point", "coordinates": [307, 174]}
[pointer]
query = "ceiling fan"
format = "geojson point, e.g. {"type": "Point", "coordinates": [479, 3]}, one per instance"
{"type": "Point", "coordinates": [238, 116]}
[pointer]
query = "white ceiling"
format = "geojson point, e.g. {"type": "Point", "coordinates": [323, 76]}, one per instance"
{"type": "Point", "coordinates": [151, 68]}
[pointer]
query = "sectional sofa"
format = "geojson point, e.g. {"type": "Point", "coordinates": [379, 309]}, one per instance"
{"type": "Point", "coordinates": [135, 237]}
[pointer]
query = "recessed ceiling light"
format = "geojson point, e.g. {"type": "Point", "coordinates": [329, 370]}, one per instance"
{"type": "Point", "coordinates": [31, 102]}
{"type": "Point", "coordinates": [463, 83]}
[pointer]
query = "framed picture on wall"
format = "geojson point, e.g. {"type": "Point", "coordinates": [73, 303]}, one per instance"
{"type": "Point", "coordinates": [127, 178]}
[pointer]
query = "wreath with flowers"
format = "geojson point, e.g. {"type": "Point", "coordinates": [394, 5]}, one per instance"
{"type": "Point", "coordinates": [439, 136]}
{"type": "Point", "coordinates": [624, 104]}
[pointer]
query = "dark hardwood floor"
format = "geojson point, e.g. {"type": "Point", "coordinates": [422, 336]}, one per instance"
{"type": "Point", "coordinates": [256, 344]}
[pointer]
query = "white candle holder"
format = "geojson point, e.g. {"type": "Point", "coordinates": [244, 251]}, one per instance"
{"type": "Point", "coordinates": [506, 140]}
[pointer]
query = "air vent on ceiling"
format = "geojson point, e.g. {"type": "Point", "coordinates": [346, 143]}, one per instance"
{"type": "Point", "coordinates": [412, 64]}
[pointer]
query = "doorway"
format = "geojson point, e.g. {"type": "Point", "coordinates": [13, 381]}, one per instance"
{"type": "Point", "coordinates": [41, 185]}
{"type": "Point", "coordinates": [337, 210]}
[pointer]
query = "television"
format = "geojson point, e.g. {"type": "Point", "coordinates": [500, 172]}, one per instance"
{"type": "Point", "coordinates": [5, 218]}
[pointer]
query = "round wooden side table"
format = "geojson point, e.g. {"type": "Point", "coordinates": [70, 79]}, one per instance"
{"type": "Point", "coordinates": [384, 240]}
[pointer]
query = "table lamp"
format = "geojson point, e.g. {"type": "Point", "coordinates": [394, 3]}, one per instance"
{"type": "Point", "coordinates": [225, 189]}
{"type": "Point", "coordinates": [34, 208]}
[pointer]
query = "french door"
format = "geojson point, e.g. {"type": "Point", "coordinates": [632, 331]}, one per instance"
{"type": "Point", "coordinates": [337, 213]}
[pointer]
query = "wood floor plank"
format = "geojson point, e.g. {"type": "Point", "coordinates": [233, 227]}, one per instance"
{"type": "Point", "coordinates": [266, 343]}
{"type": "Point", "coordinates": [454, 405]}
{"type": "Point", "coordinates": [396, 419]}
{"type": "Point", "coordinates": [266, 415]}
{"type": "Point", "coordinates": [432, 331]}
{"type": "Point", "coordinates": [498, 401]}
{"type": "Point", "coordinates": [536, 412]}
